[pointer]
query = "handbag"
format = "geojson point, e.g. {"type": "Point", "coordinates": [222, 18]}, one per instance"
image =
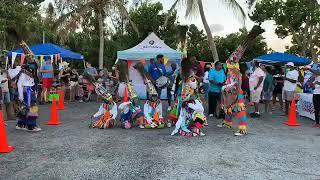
{"type": "Point", "coordinates": [162, 80]}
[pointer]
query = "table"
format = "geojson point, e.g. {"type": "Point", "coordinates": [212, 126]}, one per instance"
{"type": "Point", "coordinates": [305, 105]}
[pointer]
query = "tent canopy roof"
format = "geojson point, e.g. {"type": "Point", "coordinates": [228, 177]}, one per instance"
{"type": "Point", "coordinates": [51, 49]}
{"type": "Point", "coordinates": [282, 58]}
{"type": "Point", "coordinates": [149, 48]}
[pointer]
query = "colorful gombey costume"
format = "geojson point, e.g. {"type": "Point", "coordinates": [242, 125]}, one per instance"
{"type": "Point", "coordinates": [191, 118]}
{"type": "Point", "coordinates": [130, 111]}
{"type": "Point", "coordinates": [176, 92]}
{"type": "Point", "coordinates": [107, 112]}
{"type": "Point", "coordinates": [153, 111]}
{"type": "Point", "coordinates": [28, 112]}
{"type": "Point", "coordinates": [232, 95]}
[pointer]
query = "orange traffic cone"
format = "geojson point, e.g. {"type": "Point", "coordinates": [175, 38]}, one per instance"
{"type": "Point", "coordinates": [292, 120]}
{"type": "Point", "coordinates": [4, 147]}
{"type": "Point", "coordinates": [54, 119]}
{"type": "Point", "coordinates": [61, 100]}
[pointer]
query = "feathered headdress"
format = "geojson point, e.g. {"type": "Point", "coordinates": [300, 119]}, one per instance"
{"type": "Point", "coordinates": [232, 62]}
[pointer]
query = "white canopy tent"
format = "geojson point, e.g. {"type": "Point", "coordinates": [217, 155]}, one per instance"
{"type": "Point", "coordinates": [148, 49]}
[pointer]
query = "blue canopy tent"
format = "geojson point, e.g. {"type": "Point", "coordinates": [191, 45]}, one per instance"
{"type": "Point", "coordinates": [50, 49]}
{"type": "Point", "coordinates": [282, 58]}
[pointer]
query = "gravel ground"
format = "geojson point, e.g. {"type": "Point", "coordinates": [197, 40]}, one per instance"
{"type": "Point", "coordinates": [73, 151]}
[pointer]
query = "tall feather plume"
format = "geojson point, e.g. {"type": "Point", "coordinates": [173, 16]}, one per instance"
{"type": "Point", "coordinates": [140, 68]}
{"type": "Point", "coordinates": [253, 34]}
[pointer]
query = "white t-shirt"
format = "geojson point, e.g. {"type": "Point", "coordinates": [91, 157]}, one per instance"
{"type": "Point", "coordinates": [254, 79]}
{"type": "Point", "coordinates": [206, 77]}
{"type": "Point", "coordinates": [289, 86]}
{"type": "Point", "coordinates": [317, 86]}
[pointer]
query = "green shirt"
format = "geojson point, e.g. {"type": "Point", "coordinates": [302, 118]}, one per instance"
{"type": "Point", "coordinates": [268, 84]}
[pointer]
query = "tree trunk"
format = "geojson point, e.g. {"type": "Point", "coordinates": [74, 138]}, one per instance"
{"type": "Point", "coordinates": [101, 37]}
{"type": "Point", "coordinates": [212, 44]}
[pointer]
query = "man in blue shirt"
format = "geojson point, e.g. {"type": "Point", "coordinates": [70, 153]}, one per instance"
{"type": "Point", "coordinates": [47, 79]}
{"type": "Point", "coordinates": [156, 70]}
{"type": "Point", "coordinates": [217, 78]}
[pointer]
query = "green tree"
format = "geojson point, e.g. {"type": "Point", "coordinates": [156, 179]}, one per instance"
{"type": "Point", "coordinates": [149, 17]}
{"type": "Point", "coordinates": [21, 15]}
{"type": "Point", "coordinates": [195, 6]}
{"type": "Point", "coordinates": [198, 45]}
{"type": "Point", "coordinates": [77, 10]}
{"type": "Point", "coordinates": [297, 18]}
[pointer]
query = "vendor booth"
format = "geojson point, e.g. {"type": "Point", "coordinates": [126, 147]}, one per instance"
{"type": "Point", "coordinates": [49, 49]}
{"type": "Point", "coordinates": [282, 59]}
{"type": "Point", "coordinates": [148, 49]}
{"type": "Point", "coordinates": [305, 105]}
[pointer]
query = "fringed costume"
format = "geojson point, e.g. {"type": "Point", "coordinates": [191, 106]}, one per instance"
{"type": "Point", "coordinates": [191, 117]}
{"type": "Point", "coordinates": [108, 110]}
{"type": "Point", "coordinates": [107, 114]}
{"type": "Point", "coordinates": [130, 111]}
{"type": "Point", "coordinates": [28, 112]}
{"type": "Point", "coordinates": [233, 99]}
{"type": "Point", "coordinates": [153, 113]}
{"type": "Point", "coordinates": [153, 107]}
{"type": "Point", "coordinates": [232, 95]}
{"type": "Point", "coordinates": [176, 92]}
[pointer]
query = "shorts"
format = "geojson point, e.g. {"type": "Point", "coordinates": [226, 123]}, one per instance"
{"type": "Point", "coordinates": [255, 96]}
{"type": "Point", "coordinates": [47, 82]}
{"type": "Point", "coordinates": [267, 96]}
{"type": "Point", "coordinates": [287, 95]}
{"type": "Point", "coordinates": [90, 87]}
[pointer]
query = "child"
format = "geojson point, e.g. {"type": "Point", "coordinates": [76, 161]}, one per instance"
{"type": "Point", "coordinates": [153, 111]}
{"type": "Point", "coordinates": [107, 113]}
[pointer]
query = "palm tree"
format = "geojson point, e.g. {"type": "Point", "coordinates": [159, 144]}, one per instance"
{"type": "Point", "coordinates": [193, 6]}
{"type": "Point", "coordinates": [78, 9]}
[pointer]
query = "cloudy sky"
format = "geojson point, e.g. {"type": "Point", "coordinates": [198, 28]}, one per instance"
{"type": "Point", "coordinates": [222, 21]}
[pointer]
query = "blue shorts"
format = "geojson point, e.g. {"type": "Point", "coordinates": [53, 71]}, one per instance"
{"type": "Point", "coordinates": [5, 97]}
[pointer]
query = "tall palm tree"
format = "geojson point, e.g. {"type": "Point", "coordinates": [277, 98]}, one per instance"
{"type": "Point", "coordinates": [78, 9]}
{"type": "Point", "coordinates": [195, 6]}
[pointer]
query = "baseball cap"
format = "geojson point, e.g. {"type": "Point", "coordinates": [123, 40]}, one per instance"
{"type": "Point", "coordinates": [290, 64]}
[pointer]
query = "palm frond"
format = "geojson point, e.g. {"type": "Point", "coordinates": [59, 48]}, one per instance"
{"type": "Point", "coordinates": [192, 8]}
{"type": "Point", "coordinates": [173, 7]}
{"type": "Point", "coordinates": [238, 10]}
{"type": "Point", "coordinates": [123, 12]}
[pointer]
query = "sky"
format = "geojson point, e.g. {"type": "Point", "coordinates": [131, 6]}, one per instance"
{"type": "Point", "coordinates": [222, 21]}
{"type": "Point", "coordinates": [219, 16]}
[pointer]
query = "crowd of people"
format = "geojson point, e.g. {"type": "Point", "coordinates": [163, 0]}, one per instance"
{"type": "Point", "coordinates": [223, 89]}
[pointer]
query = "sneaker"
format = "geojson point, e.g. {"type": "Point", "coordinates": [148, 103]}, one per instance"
{"type": "Point", "coordinates": [316, 125]}
{"type": "Point", "coordinates": [221, 125]}
{"type": "Point", "coordinates": [255, 115]}
{"type": "Point", "coordinates": [20, 128]}
{"type": "Point", "coordinates": [169, 108]}
{"type": "Point", "coordinates": [36, 129]}
{"type": "Point", "coordinates": [206, 124]}
{"type": "Point", "coordinates": [81, 100]}
{"type": "Point", "coordinates": [202, 134]}
{"type": "Point", "coordinates": [210, 115]}
{"type": "Point", "coordinates": [174, 132]}
{"type": "Point", "coordinates": [238, 134]}
{"type": "Point", "coordinates": [141, 126]}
